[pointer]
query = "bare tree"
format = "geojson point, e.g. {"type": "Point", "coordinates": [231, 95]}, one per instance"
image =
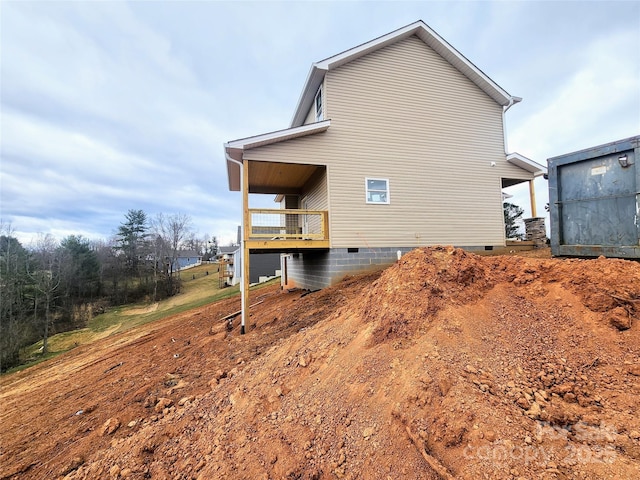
{"type": "Point", "coordinates": [173, 230]}
{"type": "Point", "coordinates": [46, 278]}
{"type": "Point", "coordinates": [158, 258]}
{"type": "Point", "coordinates": [191, 242]}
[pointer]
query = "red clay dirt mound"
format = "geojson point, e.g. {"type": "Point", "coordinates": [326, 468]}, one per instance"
{"type": "Point", "coordinates": [421, 284]}
{"type": "Point", "coordinates": [411, 292]}
{"type": "Point", "coordinates": [448, 365]}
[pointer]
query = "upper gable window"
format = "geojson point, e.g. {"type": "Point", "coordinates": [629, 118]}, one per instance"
{"type": "Point", "coordinates": [377, 190]}
{"type": "Point", "coordinates": [318, 105]}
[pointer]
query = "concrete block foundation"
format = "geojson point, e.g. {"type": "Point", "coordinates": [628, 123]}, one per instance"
{"type": "Point", "coordinates": [315, 270]}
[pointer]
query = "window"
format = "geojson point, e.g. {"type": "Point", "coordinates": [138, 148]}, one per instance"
{"type": "Point", "coordinates": [318, 104]}
{"type": "Point", "coordinates": [377, 190]}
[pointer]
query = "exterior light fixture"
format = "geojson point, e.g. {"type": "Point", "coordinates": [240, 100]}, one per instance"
{"type": "Point", "coordinates": [624, 161]}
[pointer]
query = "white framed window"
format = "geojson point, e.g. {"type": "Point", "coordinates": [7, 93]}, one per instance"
{"type": "Point", "coordinates": [318, 102]}
{"type": "Point", "coordinates": [377, 190]}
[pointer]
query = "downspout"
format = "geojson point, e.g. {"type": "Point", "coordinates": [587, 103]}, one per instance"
{"type": "Point", "coordinates": [512, 102]}
{"type": "Point", "coordinates": [242, 283]}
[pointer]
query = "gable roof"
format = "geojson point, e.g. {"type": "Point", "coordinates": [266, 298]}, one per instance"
{"type": "Point", "coordinates": [227, 250]}
{"type": "Point", "coordinates": [187, 254]}
{"type": "Point", "coordinates": [428, 36]}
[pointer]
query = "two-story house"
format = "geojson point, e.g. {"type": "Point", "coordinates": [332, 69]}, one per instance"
{"type": "Point", "coordinates": [394, 144]}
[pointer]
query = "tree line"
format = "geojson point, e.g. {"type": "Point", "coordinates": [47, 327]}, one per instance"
{"type": "Point", "coordinates": [50, 287]}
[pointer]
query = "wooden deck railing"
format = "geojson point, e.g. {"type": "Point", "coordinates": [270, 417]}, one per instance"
{"type": "Point", "coordinates": [276, 224]}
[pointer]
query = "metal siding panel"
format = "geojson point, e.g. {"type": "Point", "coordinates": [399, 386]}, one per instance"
{"type": "Point", "coordinates": [263, 265]}
{"type": "Point", "coordinates": [595, 201]}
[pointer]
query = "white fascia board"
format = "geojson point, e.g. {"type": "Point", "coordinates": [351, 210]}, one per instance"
{"type": "Point", "coordinates": [370, 46]}
{"type": "Point", "coordinates": [277, 136]}
{"type": "Point", "coordinates": [526, 164]}
{"type": "Point", "coordinates": [314, 80]}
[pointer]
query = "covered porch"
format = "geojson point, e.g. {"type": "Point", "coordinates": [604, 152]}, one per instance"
{"type": "Point", "coordinates": [530, 166]}
{"type": "Point", "coordinates": [293, 228]}
{"type": "Point", "coordinates": [534, 226]}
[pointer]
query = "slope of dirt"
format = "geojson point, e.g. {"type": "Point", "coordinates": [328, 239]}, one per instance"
{"type": "Point", "coordinates": [447, 365]}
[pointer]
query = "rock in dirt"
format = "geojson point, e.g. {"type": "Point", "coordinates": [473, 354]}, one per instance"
{"type": "Point", "coordinates": [74, 464]}
{"type": "Point", "coordinates": [110, 426]}
{"type": "Point", "coordinates": [634, 370]}
{"type": "Point", "coordinates": [619, 318]}
{"type": "Point", "coordinates": [534, 411]}
{"type": "Point", "coordinates": [162, 404]}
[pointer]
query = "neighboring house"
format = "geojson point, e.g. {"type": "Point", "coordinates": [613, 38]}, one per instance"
{"type": "Point", "coordinates": [263, 267]}
{"type": "Point", "coordinates": [187, 259]}
{"type": "Point", "coordinates": [226, 258]}
{"type": "Point", "coordinates": [225, 252]}
{"type": "Point", "coordinates": [394, 144]}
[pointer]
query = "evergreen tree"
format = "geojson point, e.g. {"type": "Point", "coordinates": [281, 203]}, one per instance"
{"type": "Point", "coordinates": [132, 236]}
{"type": "Point", "coordinates": [512, 213]}
{"type": "Point", "coordinates": [80, 270]}
{"type": "Point", "coordinates": [16, 306]}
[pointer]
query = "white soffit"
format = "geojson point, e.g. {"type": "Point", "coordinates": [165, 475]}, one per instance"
{"type": "Point", "coordinates": [526, 164]}
{"type": "Point", "coordinates": [234, 148]}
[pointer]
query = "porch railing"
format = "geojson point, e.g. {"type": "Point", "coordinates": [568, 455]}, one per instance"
{"type": "Point", "coordinates": [276, 224]}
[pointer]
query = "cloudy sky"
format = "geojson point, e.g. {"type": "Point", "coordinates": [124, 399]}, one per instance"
{"type": "Point", "coordinates": [109, 106]}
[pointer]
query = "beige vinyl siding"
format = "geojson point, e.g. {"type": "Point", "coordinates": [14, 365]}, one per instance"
{"type": "Point", "coordinates": [314, 149]}
{"type": "Point", "coordinates": [405, 114]}
{"type": "Point", "coordinates": [316, 196]}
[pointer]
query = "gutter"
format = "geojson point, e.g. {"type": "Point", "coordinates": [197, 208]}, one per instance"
{"type": "Point", "coordinates": [512, 102]}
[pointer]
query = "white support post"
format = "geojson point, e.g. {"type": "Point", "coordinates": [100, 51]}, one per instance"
{"type": "Point", "coordinates": [245, 250]}
{"type": "Point", "coordinates": [244, 235]}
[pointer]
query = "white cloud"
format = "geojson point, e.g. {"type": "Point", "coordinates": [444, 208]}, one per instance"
{"type": "Point", "coordinates": [598, 103]}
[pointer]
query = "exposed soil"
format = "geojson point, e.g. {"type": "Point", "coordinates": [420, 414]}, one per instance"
{"type": "Point", "coordinates": [446, 365]}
